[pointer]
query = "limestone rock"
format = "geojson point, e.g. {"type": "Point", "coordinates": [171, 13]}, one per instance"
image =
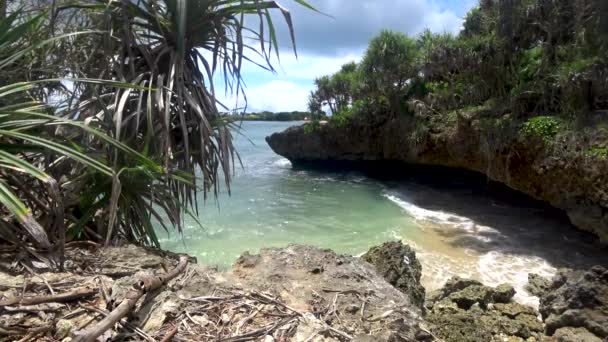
{"type": "Point", "coordinates": [460, 326]}
{"type": "Point", "coordinates": [398, 265]}
{"type": "Point", "coordinates": [466, 292]}
{"type": "Point", "coordinates": [537, 285]}
{"type": "Point", "coordinates": [513, 310]}
{"type": "Point", "coordinates": [503, 293]}
{"type": "Point", "coordinates": [582, 185]}
{"type": "Point", "coordinates": [454, 284]}
{"type": "Point", "coordinates": [473, 294]}
{"type": "Point", "coordinates": [577, 299]}
{"type": "Point", "coordinates": [575, 335]}
{"type": "Point", "coordinates": [345, 281]}
{"type": "Point", "coordinates": [470, 311]}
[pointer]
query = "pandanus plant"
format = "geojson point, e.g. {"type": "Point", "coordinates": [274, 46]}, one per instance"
{"type": "Point", "coordinates": [141, 133]}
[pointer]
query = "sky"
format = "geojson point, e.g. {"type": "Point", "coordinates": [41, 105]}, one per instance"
{"type": "Point", "coordinates": [325, 43]}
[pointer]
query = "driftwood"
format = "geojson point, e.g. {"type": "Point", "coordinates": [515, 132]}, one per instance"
{"type": "Point", "coordinates": [122, 322]}
{"type": "Point", "coordinates": [30, 333]}
{"type": "Point", "coordinates": [169, 336]}
{"type": "Point", "coordinates": [146, 285]}
{"type": "Point", "coordinates": [54, 298]}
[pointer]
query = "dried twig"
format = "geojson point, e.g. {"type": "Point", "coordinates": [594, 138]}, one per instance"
{"type": "Point", "coordinates": [169, 336]}
{"type": "Point", "coordinates": [259, 332]}
{"type": "Point", "coordinates": [146, 285]}
{"type": "Point", "coordinates": [57, 298]}
{"type": "Point", "coordinates": [122, 322]}
{"type": "Point", "coordinates": [33, 333]}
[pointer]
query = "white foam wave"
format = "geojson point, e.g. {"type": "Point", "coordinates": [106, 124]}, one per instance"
{"type": "Point", "coordinates": [497, 268]}
{"type": "Point", "coordinates": [358, 179]}
{"type": "Point", "coordinates": [324, 179]}
{"type": "Point", "coordinates": [282, 162]}
{"type": "Point", "coordinates": [440, 217]}
{"type": "Point", "coordinates": [493, 268]}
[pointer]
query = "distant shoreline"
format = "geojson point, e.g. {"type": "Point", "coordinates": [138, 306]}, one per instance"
{"type": "Point", "coordinates": [278, 116]}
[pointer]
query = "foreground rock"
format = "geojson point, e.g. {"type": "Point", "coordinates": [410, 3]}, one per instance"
{"type": "Point", "coordinates": [563, 172]}
{"type": "Point", "coordinates": [465, 310]}
{"type": "Point", "coordinates": [341, 291]}
{"type": "Point", "coordinates": [576, 304]}
{"type": "Point", "coordinates": [398, 265]}
{"type": "Point", "coordinates": [297, 293]}
{"type": "Point", "coordinates": [537, 285]}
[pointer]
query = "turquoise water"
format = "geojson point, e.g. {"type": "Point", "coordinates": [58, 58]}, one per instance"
{"type": "Point", "coordinates": [455, 230]}
{"type": "Point", "coordinates": [272, 205]}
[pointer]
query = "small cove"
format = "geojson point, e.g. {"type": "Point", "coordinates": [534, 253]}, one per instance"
{"type": "Point", "coordinates": [455, 230]}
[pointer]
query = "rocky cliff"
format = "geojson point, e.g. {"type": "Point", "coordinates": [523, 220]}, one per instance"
{"type": "Point", "coordinates": [550, 161]}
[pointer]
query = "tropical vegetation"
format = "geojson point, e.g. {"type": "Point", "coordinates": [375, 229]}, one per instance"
{"type": "Point", "coordinates": [527, 58]}
{"type": "Point", "coordinates": [108, 116]}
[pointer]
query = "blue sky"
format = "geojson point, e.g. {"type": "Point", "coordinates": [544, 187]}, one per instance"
{"type": "Point", "coordinates": [324, 43]}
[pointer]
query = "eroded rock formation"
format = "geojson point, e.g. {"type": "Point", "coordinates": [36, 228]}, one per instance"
{"type": "Point", "coordinates": [560, 173]}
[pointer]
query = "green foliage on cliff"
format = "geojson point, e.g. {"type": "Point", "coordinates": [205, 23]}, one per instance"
{"type": "Point", "coordinates": [527, 58]}
{"type": "Point", "coordinates": [598, 152]}
{"type": "Point", "coordinates": [545, 127]}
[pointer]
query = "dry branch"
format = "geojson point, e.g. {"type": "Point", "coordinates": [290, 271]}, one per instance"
{"type": "Point", "coordinates": [56, 298]}
{"type": "Point", "coordinates": [169, 336]}
{"type": "Point", "coordinates": [145, 285]}
{"type": "Point", "coordinates": [122, 322]}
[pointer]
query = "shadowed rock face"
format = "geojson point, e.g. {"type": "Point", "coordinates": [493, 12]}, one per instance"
{"type": "Point", "coordinates": [554, 174]}
{"type": "Point", "coordinates": [397, 263]}
{"type": "Point", "coordinates": [577, 299]}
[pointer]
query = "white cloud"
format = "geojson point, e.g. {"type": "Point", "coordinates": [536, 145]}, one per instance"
{"type": "Point", "coordinates": [442, 21]}
{"type": "Point", "coordinates": [325, 44]}
{"type": "Point", "coordinates": [288, 89]}
{"type": "Point", "coordinates": [310, 66]}
{"type": "Point", "coordinates": [275, 96]}
{"type": "Point", "coordinates": [355, 22]}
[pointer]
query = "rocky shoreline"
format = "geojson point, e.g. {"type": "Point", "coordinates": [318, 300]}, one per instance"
{"type": "Point", "coordinates": [296, 293]}
{"type": "Point", "coordinates": [560, 168]}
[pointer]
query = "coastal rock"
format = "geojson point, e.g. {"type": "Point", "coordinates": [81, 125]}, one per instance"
{"type": "Point", "coordinates": [574, 335]}
{"type": "Point", "coordinates": [512, 310]}
{"type": "Point", "coordinates": [466, 310]}
{"type": "Point", "coordinates": [466, 292]}
{"type": "Point", "coordinates": [331, 295]}
{"type": "Point", "coordinates": [577, 299]}
{"type": "Point", "coordinates": [398, 264]}
{"type": "Point", "coordinates": [537, 285]}
{"type": "Point", "coordinates": [454, 284]}
{"type": "Point", "coordinates": [466, 297]}
{"type": "Point", "coordinates": [503, 293]}
{"type": "Point", "coordinates": [297, 293]}
{"type": "Point", "coordinates": [524, 163]}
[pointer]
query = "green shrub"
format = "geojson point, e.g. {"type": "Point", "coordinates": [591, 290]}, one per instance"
{"type": "Point", "coordinates": [312, 126]}
{"type": "Point", "coordinates": [545, 127]}
{"type": "Point", "coordinates": [598, 152]}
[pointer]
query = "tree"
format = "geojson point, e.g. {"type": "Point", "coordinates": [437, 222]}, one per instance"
{"type": "Point", "coordinates": [389, 67]}
{"type": "Point", "coordinates": [325, 93]}
{"type": "Point", "coordinates": [315, 105]}
{"type": "Point", "coordinates": [139, 134]}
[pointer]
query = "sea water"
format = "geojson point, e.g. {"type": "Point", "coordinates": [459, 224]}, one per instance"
{"type": "Point", "coordinates": [454, 230]}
